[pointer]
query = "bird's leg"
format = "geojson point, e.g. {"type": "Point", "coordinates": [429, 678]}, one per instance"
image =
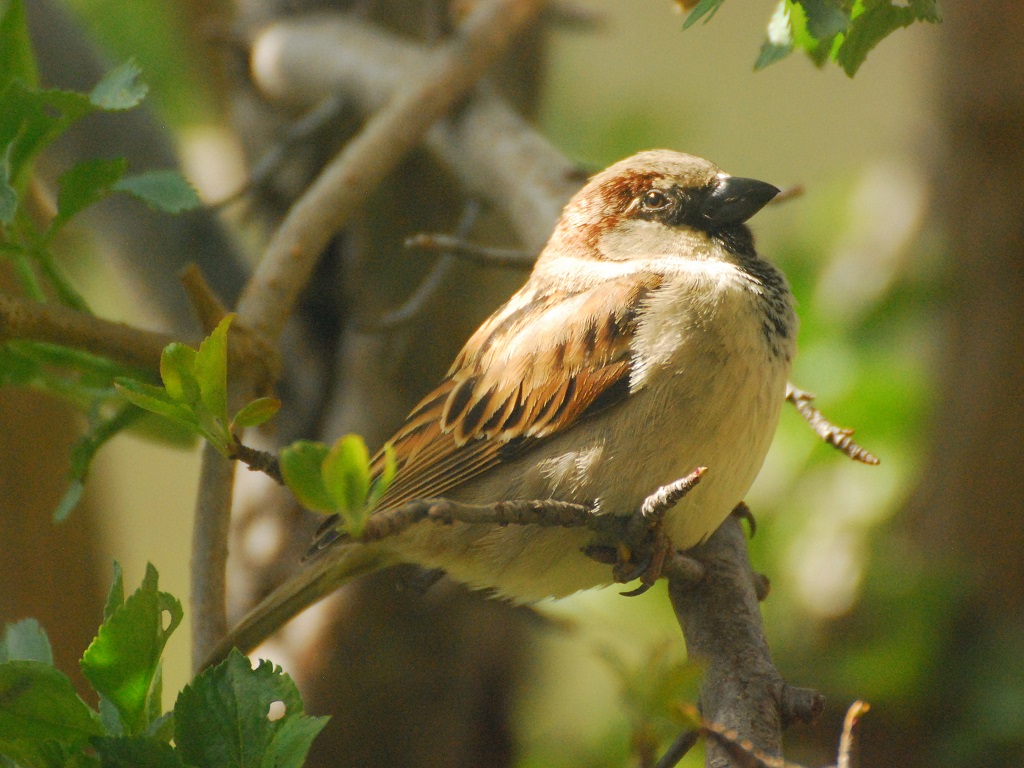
{"type": "Point", "coordinates": [645, 547]}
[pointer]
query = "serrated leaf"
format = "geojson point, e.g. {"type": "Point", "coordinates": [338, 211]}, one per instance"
{"type": "Point", "coordinates": [211, 369]}
{"type": "Point", "coordinates": [17, 60]}
{"type": "Point", "coordinates": [156, 400]}
{"type": "Point", "coordinates": [83, 185]}
{"type": "Point", "coordinates": [704, 8]}
{"type": "Point", "coordinates": [825, 18]}
{"type": "Point", "coordinates": [346, 471]}
{"type": "Point", "coordinates": [384, 479]}
{"type": "Point", "coordinates": [177, 371]}
{"type": "Point", "coordinates": [874, 20]}
{"type": "Point", "coordinates": [120, 88]}
{"type": "Point", "coordinates": [135, 752]}
{"type": "Point", "coordinates": [221, 718]}
{"type": "Point", "coordinates": [25, 640]}
{"type": "Point", "coordinates": [292, 740]}
{"type": "Point", "coordinates": [39, 704]}
{"type": "Point", "coordinates": [123, 662]}
{"type": "Point", "coordinates": [255, 413]}
{"type": "Point", "coordinates": [166, 191]}
{"type": "Point", "coordinates": [301, 464]}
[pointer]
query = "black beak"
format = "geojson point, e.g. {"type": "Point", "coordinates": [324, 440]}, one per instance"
{"type": "Point", "coordinates": [734, 200]}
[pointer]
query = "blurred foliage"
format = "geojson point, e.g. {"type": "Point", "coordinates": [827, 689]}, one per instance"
{"type": "Point", "coordinates": [31, 119]}
{"type": "Point", "coordinates": [842, 31]}
{"type": "Point", "coordinates": [169, 46]}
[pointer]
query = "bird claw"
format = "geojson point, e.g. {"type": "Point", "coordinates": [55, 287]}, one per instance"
{"type": "Point", "coordinates": [742, 512]}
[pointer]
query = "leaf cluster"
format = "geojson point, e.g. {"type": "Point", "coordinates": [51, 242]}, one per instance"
{"type": "Point", "coordinates": [338, 479]}
{"type": "Point", "coordinates": [31, 119]}
{"type": "Point", "coordinates": [222, 718]}
{"type": "Point", "coordinates": [842, 31]}
{"type": "Point", "coordinates": [194, 394]}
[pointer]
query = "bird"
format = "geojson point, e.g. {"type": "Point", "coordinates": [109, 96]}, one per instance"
{"type": "Point", "coordinates": [651, 339]}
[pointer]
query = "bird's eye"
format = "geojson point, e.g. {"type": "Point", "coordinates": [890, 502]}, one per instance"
{"type": "Point", "coordinates": [656, 200]}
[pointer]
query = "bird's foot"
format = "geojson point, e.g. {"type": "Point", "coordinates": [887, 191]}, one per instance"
{"type": "Point", "coordinates": [644, 549]}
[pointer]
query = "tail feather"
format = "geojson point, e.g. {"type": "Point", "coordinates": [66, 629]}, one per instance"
{"type": "Point", "coordinates": [316, 579]}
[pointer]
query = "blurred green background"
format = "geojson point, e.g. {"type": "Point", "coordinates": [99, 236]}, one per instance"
{"type": "Point", "coordinates": [859, 607]}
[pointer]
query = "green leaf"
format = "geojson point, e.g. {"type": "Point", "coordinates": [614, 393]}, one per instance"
{"type": "Point", "coordinates": [120, 88]}
{"type": "Point", "coordinates": [255, 413]}
{"type": "Point", "coordinates": [220, 719]}
{"type": "Point", "coordinates": [384, 479]}
{"type": "Point", "coordinates": [135, 752]}
{"type": "Point", "coordinates": [166, 191]}
{"type": "Point", "coordinates": [25, 640]}
{"type": "Point", "coordinates": [301, 464]}
{"type": "Point", "coordinates": [874, 20]}
{"type": "Point", "coordinates": [123, 662]}
{"type": "Point", "coordinates": [31, 119]}
{"type": "Point", "coordinates": [177, 371]}
{"type": "Point", "coordinates": [825, 18]}
{"type": "Point", "coordinates": [346, 472]}
{"type": "Point", "coordinates": [39, 704]}
{"type": "Point", "coordinates": [211, 369]}
{"type": "Point", "coordinates": [771, 54]}
{"type": "Point", "coordinates": [155, 400]}
{"type": "Point", "coordinates": [83, 185]}
{"type": "Point", "coordinates": [704, 8]}
{"type": "Point", "coordinates": [17, 62]}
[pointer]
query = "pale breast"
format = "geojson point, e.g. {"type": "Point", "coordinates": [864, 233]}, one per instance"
{"type": "Point", "coordinates": [708, 383]}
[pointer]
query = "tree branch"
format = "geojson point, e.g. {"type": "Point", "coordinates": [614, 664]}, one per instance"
{"type": "Point", "coordinates": [270, 295]}
{"type": "Point", "coordinates": [55, 323]}
{"type": "Point", "coordinates": [721, 621]}
{"type": "Point", "coordinates": [447, 76]}
{"type": "Point", "coordinates": [490, 148]}
{"type": "Point", "coordinates": [210, 554]}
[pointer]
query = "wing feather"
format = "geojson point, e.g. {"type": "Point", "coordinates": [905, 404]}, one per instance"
{"type": "Point", "coordinates": [535, 368]}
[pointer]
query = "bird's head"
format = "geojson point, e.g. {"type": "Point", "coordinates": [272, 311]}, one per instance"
{"type": "Point", "coordinates": [642, 204]}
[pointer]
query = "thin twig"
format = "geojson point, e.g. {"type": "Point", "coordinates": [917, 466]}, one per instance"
{"type": "Point", "coordinates": [326, 113]}
{"type": "Point", "coordinates": [205, 302]}
{"type": "Point", "coordinates": [431, 286]}
{"type": "Point", "coordinates": [258, 461]}
{"type": "Point", "coordinates": [679, 748]}
{"type": "Point", "coordinates": [478, 254]}
{"type": "Point", "coordinates": [846, 741]}
{"type": "Point", "coordinates": [838, 437]}
{"type": "Point", "coordinates": [388, 136]}
{"type": "Point", "coordinates": [35, 321]}
{"type": "Point", "coordinates": [545, 512]}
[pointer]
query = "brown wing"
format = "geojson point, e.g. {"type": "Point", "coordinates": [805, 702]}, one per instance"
{"type": "Point", "coordinates": [534, 368]}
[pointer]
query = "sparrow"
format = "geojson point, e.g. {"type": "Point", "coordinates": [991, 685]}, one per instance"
{"type": "Point", "coordinates": [650, 339]}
